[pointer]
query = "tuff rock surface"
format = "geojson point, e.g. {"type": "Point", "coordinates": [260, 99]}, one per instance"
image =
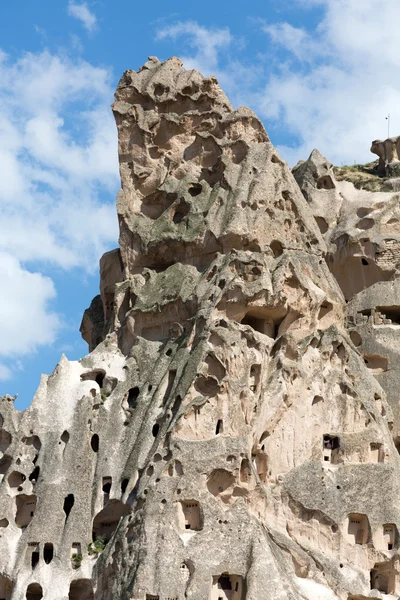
{"type": "Point", "coordinates": [389, 155]}
{"type": "Point", "coordinates": [232, 433]}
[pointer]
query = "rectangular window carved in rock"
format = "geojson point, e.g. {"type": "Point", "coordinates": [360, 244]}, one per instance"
{"type": "Point", "coordinates": [189, 515]}
{"type": "Point", "coordinates": [331, 449]}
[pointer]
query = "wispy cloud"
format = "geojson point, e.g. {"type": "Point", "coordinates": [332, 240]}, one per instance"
{"type": "Point", "coordinates": [203, 45]}
{"type": "Point", "coordinates": [83, 14]}
{"type": "Point", "coordinates": [58, 148]}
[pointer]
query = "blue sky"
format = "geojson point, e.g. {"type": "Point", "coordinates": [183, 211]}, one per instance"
{"type": "Point", "coordinates": [320, 73]}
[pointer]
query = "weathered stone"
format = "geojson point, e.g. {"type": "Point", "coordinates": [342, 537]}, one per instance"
{"type": "Point", "coordinates": [388, 152]}
{"type": "Point", "coordinates": [224, 438]}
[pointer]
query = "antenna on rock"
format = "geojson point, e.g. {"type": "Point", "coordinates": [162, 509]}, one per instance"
{"type": "Point", "coordinates": [388, 120]}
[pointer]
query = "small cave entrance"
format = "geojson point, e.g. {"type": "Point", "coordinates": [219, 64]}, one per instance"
{"type": "Point", "coordinates": [331, 448]}
{"type": "Point", "coordinates": [189, 515]}
{"type": "Point", "coordinates": [390, 536]}
{"type": "Point", "coordinates": [325, 183]}
{"type": "Point", "coordinates": [376, 452]}
{"type": "Point", "coordinates": [26, 506]}
{"type": "Point", "coordinates": [81, 589]}
{"type": "Point", "coordinates": [96, 375]}
{"type": "Point", "coordinates": [107, 520]}
{"type": "Point", "coordinates": [227, 587]}
{"type": "Point", "coordinates": [383, 578]}
{"type": "Point", "coordinates": [34, 592]}
{"type": "Point", "coordinates": [6, 588]}
{"type": "Point", "coordinates": [357, 529]}
{"type": "Point", "coordinates": [263, 324]}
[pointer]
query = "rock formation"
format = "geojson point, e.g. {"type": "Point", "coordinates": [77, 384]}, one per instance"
{"type": "Point", "coordinates": [229, 435]}
{"type": "Point", "coordinates": [389, 153]}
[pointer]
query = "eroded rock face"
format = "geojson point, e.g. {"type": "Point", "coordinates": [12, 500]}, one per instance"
{"type": "Point", "coordinates": [224, 438]}
{"type": "Point", "coordinates": [388, 152]}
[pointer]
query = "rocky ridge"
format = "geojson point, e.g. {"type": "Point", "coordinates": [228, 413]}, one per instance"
{"type": "Point", "coordinates": [232, 433]}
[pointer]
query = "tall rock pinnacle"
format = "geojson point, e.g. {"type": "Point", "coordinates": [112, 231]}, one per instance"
{"type": "Point", "coordinates": [223, 439]}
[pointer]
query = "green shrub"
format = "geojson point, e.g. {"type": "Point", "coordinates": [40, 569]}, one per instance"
{"type": "Point", "coordinates": [97, 546]}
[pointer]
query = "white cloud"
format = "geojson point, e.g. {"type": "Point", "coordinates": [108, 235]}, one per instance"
{"type": "Point", "coordinates": [337, 99]}
{"type": "Point", "coordinates": [25, 320]}
{"type": "Point", "coordinates": [5, 373]}
{"type": "Point", "coordinates": [83, 14]}
{"type": "Point", "coordinates": [206, 43]}
{"type": "Point", "coordinates": [58, 149]}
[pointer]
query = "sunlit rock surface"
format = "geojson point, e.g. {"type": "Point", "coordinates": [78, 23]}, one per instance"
{"type": "Point", "coordinates": [227, 437]}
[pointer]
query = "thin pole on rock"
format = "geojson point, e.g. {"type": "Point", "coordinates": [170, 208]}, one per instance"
{"type": "Point", "coordinates": [388, 120]}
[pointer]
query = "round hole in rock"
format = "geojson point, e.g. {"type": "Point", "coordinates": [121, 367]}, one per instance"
{"type": "Point", "coordinates": [15, 479]}
{"type": "Point", "coordinates": [155, 430]}
{"type": "Point", "coordinates": [195, 189]}
{"type": "Point", "coordinates": [4, 523]}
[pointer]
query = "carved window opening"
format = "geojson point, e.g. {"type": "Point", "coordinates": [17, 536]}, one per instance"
{"type": "Point", "coordinates": [376, 452]}
{"type": "Point", "coordinates": [35, 556]}
{"type": "Point", "coordinates": [107, 520]}
{"type": "Point", "coordinates": [26, 506]}
{"type": "Point", "coordinates": [383, 578]}
{"type": "Point", "coordinates": [357, 530]}
{"type": "Point", "coordinates": [190, 515]}
{"type": "Point", "coordinates": [390, 536]}
{"type": "Point", "coordinates": [331, 448]}
{"type": "Point", "coordinates": [48, 553]}
{"type": "Point", "coordinates": [227, 587]}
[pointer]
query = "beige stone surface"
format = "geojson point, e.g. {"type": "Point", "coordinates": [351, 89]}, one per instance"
{"type": "Point", "coordinates": [228, 436]}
